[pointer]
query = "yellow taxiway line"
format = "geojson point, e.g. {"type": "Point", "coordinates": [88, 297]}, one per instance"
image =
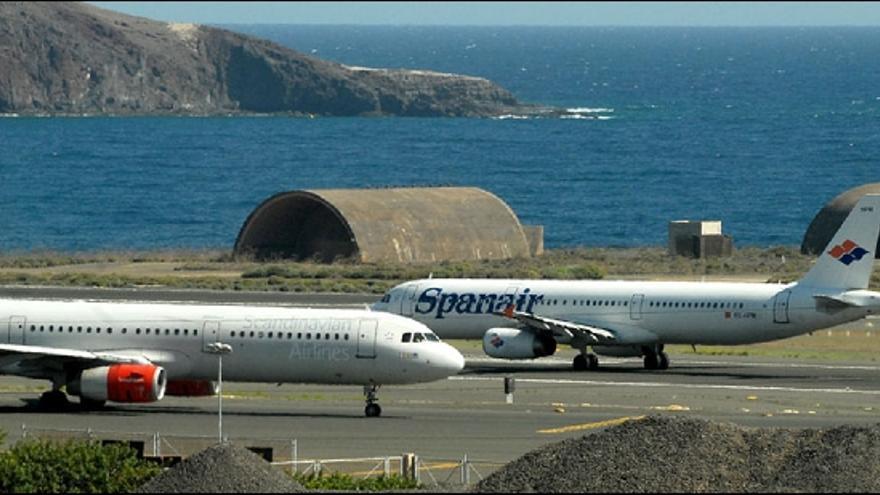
{"type": "Point", "coordinates": [591, 426]}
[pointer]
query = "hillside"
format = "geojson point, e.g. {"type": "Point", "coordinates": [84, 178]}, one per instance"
{"type": "Point", "coordinates": [72, 58]}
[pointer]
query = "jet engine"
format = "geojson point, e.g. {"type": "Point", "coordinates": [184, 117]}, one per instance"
{"type": "Point", "coordinates": [191, 388]}
{"type": "Point", "coordinates": [512, 343]}
{"type": "Point", "coordinates": [120, 383]}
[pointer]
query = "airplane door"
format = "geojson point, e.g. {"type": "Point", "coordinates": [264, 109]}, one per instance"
{"type": "Point", "coordinates": [635, 306]}
{"type": "Point", "coordinates": [780, 307]}
{"type": "Point", "coordinates": [367, 339]}
{"type": "Point", "coordinates": [210, 334]}
{"type": "Point", "coordinates": [407, 302]}
{"type": "Point", "coordinates": [16, 329]}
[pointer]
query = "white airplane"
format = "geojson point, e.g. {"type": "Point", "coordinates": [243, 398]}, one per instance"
{"type": "Point", "coordinates": [526, 319]}
{"type": "Point", "coordinates": [138, 352]}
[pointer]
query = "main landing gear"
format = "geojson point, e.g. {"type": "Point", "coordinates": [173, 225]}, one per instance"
{"type": "Point", "coordinates": [585, 361]}
{"type": "Point", "coordinates": [372, 410]}
{"type": "Point", "coordinates": [655, 358]}
{"type": "Point", "coordinates": [54, 400]}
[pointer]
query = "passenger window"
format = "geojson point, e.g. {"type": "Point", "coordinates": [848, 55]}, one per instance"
{"type": "Point", "coordinates": [406, 337]}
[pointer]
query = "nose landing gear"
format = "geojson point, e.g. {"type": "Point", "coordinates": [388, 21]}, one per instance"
{"type": "Point", "coordinates": [372, 410]}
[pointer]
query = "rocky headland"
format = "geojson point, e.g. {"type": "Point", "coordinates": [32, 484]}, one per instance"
{"type": "Point", "coordinates": [71, 58]}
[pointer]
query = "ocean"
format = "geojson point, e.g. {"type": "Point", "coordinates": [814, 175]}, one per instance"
{"type": "Point", "coordinates": [756, 127]}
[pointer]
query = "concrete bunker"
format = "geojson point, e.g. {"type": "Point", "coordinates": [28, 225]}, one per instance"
{"type": "Point", "coordinates": [405, 224]}
{"type": "Point", "coordinates": [829, 219]}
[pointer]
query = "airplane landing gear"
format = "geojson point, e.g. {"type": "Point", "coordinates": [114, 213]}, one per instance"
{"type": "Point", "coordinates": [655, 358]}
{"type": "Point", "coordinates": [585, 361]}
{"type": "Point", "coordinates": [372, 410]}
{"type": "Point", "coordinates": [55, 400]}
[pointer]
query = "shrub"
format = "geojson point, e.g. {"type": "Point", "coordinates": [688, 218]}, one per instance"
{"type": "Point", "coordinates": [341, 481]}
{"type": "Point", "coordinates": [73, 466]}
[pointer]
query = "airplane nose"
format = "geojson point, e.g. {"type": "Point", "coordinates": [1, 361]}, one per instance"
{"type": "Point", "coordinates": [451, 360]}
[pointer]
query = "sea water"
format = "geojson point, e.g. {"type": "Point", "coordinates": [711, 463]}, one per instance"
{"type": "Point", "coordinates": [756, 127]}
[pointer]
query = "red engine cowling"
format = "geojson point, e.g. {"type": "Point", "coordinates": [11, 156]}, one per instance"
{"type": "Point", "coordinates": [191, 388]}
{"type": "Point", "coordinates": [121, 383]}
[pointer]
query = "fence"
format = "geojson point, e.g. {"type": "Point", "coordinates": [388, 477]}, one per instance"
{"type": "Point", "coordinates": [171, 448]}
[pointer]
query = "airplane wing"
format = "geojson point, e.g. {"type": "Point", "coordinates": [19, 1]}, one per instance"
{"type": "Point", "coordinates": [560, 328]}
{"type": "Point", "coordinates": [39, 357]}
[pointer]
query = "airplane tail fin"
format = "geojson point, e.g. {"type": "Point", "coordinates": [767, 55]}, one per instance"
{"type": "Point", "coordinates": [848, 260]}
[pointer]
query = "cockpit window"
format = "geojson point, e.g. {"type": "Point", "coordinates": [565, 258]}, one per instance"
{"type": "Point", "coordinates": [418, 338]}
{"type": "Point", "coordinates": [431, 337]}
{"type": "Point", "coordinates": [406, 337]}
{"type": "Point", "coordinates": [386, 298]}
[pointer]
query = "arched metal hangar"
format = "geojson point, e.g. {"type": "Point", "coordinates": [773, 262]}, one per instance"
{"type": "Point", "coordinates": [407, 224]}
{"type": "Point", "coordinates": [828, 220]}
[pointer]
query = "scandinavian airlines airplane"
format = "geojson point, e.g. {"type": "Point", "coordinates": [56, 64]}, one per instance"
{"type": "Point", "coordinates": [134, 352]}
{"type": "Point", "coordinates": [526, 319]}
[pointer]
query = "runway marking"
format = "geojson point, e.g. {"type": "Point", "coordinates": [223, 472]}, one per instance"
{"type": "Point", "coordinates": [676, 385]}
{"type": "Point", "coordinates": [591, 426]}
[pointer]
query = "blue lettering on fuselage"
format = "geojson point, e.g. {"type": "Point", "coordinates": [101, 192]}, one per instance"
{"type": "Point", "coordinates": [434, 300]}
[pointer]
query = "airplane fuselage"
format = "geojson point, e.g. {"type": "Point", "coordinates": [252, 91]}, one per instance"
{"type": "Point", "coordinates": [643, 312]}
{"type": "Point", "coordinates": [269, 344]}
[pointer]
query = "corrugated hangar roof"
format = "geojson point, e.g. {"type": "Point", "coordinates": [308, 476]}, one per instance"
{"type": "Point", "coordinates": [826, 223]}
{"type": "Point", "coordinates": [408, 224]}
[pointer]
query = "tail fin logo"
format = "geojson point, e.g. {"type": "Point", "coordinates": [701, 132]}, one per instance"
{"type": "Point", "coordinates": [848, 252]}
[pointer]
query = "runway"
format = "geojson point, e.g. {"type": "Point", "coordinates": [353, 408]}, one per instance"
{"type": "Point", "coordinates": [469, 414]}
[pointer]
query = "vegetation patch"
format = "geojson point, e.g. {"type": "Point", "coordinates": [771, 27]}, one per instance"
{"type": "Point", "coordinates": [342, 481]}
{"type": "Point", "coordinates": [72, 466]}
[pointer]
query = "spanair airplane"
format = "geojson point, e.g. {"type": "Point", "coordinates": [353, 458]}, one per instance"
{"type": "Point", "coordinates": [526, 319]}
{"type": "Point", "coordinates": [133, 352]}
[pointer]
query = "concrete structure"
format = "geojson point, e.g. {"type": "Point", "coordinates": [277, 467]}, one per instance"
{"type": "Point", "coordinates": [410, 224]}
{"type": "Point", "coordinates": [831, 216]}
{"type": "Point", "coordinates": [698, 239]}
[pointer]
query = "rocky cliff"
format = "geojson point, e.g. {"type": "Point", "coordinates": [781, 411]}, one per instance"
{"type": "Point", "coordinates": [74, 58]}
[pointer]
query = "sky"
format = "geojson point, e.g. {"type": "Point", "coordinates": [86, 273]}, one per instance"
{"type": "Point", "coordinates": [511, 13]}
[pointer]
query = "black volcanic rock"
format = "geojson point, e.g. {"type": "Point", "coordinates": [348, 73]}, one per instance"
{"type": "Point", "coordinates": [74, 58]}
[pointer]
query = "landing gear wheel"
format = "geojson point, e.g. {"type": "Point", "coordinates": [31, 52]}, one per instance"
{"type": "Point", "coordinates": [583, 362]}
{"type": "Point", "coordinates": [373, 410]}
{"type": "Point", "coordinates": [54, 400]}
{"type": "Point", "coordinates": [663, 362]}
{"type": "Point", "coordinates": [651, 361]}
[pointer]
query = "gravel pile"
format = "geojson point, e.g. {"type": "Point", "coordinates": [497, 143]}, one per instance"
{"type": "Point", "coordinates": [671, 454]}
{"type": "Point", "coordinates": [223, 468]}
